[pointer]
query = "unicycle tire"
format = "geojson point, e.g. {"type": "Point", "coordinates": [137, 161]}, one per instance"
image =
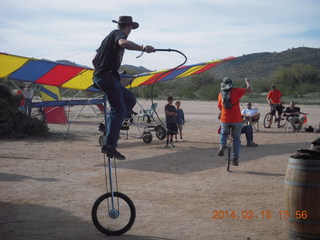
{"type": "Point", "coordinates": [229, 158]}
{"type": "Point", "coordinates": [107, 224]}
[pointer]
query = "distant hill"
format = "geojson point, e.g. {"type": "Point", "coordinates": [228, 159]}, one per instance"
{"type": "Point", "coordinates": [257, 66]}
{"type": "Point", "coordinates": [133, 70]}
{"type": "Point", "coordinates": [67, 62]}
{"type": "Point", "coordinates": [261, 66]}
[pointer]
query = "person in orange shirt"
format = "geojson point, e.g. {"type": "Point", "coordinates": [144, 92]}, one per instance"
{"type": "Point", "coordinates": [274, 98]}
{"type": "Point", "coordinates": [228, 103]}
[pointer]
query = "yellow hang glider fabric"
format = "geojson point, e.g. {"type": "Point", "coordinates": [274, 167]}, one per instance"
{"type": "Point", "coordinates": [47, 72]}
{"type": "Point", "coordinates": [49, 93]}
{"type": "Point", "coordinates": [10, 63]}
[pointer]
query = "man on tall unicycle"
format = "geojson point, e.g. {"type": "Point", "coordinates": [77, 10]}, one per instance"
{"type": "Point", "coordinates": [106, 64]}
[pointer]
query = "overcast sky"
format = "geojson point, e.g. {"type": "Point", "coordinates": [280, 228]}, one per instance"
{"type": "Point", "coordinates": [202, 29]}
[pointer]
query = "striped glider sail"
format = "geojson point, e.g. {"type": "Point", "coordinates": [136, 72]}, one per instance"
{"type": "Point", "coordinates": [47, 72]}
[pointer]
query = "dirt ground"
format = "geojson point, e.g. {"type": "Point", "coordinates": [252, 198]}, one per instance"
{"type": "Point", "coordinates": [48, 185]}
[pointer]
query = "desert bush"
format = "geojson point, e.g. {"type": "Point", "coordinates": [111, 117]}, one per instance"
{"type": "Point", "coordinates": [13, 123]}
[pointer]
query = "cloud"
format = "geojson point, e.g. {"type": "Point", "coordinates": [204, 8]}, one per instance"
{"type": "Point", "coordinates": [203, 29]}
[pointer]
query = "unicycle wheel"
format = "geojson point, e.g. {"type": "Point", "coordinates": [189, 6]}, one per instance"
{"type": "Point", "coordinates": [113, 220]}
{"type": "Point", "coordinates": [229, 159]}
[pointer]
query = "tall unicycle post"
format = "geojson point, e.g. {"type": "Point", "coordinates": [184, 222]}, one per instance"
{"type": "Point", "coordinates": [229, 146]}
{"type": "Point", "coordinates": [113, 213]}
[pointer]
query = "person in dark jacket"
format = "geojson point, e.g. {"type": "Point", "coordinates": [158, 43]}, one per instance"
{"type": "Point", "coordinates": [106, 64]}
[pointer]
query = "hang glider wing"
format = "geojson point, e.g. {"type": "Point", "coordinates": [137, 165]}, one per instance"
{"type": "Point", "coordinates": [183, 71]}
{"type": "Point", "coordinates": [47, 72]}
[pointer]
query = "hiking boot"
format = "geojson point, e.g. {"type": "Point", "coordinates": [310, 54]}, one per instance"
{"type": "Point", "coordinates": [112, 152]}
{"type": "Point", "coordinates": [235, 161]}
{"type": "Point", "coordinates": [252, 144]}
{"type": "Point", "coordinates": [167, 145]}
{"type": "Point", "coordinates": [171, 145]}
{"type": "Point", "coordinates": [221, 150]}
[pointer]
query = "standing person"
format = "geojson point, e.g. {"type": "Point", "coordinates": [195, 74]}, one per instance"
{"type": "Point", "coordinates": [21, 98]}
{"type": "Point", "coordinates": [274, 98]}
{"type": "Point", "coordinates": [28, 96]}
{"type": "Point", "coordinates": [106, 76]}
{"type": "Point", "coordinates": [179, 120]}
{"type": "Point", "coordinates": [171, 114]}
{"type": "Point", "coordinates": [228, 103]}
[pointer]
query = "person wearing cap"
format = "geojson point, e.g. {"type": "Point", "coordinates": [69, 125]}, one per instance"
{"type": "Point", "coordinates": [228, 103]}
{"type": "Point", "coordinates": [247, 130]}
{"type": "Point", "coordinates": [106, 64]}
{"type": "Point", "coordinates": [274, 98]}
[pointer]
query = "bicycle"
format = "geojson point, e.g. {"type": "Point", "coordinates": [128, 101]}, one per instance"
{"type": "Point", "coordinates": [106, 214]}
{"type": "Point", "coordinates": [268, 120]}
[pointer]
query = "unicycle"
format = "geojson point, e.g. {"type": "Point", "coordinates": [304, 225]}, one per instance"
{"type": "Point", "coordinates": [229, 146]}
{"type": "Point", "coordinates": [113, 213]}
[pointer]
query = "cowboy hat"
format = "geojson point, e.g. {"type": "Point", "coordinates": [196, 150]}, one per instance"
{"type": "Point", "coordinates": [314, 149]}
{"type": "Point", "coordinates": [226, 84]}
{"type": "Point", "coordinates": [127, 20]}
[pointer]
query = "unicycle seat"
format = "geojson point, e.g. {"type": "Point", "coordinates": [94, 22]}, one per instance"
{"type": "Point", "coordinates": [231, 127]}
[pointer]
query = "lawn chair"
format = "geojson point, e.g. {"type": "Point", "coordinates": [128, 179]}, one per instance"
{"type": "Point", "coordinates": [253, 122]}
{"type": "Point", "coordinates": [303, 121]}
{"type": "Point", "coordinates": [148, 113]}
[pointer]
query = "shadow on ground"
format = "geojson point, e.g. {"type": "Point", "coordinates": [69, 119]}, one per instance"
{"type": "Point", "coordinates": [29, 221]}
{"type": "Point", "coordinates": [195, 159]}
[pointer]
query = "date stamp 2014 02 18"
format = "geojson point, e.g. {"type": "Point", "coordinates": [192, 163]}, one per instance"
{"type": "Point", "coordinates": [264, 214]}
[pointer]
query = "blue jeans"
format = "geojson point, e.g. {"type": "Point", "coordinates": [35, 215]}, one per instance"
{"type": "Point", "coordinates": [121, 101]}
{"type": "Point", "coordinates": [247, 130]}
{"type": "Point", "coordinates": [27, 106]}
{"type": "Point", "coordinates": [236, 136]}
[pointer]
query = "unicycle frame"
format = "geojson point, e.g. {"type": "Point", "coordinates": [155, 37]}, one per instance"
{"type": "Point", "coordinates": [229, 146]}
{"type": "Point", "coordinates": [109, 164]}
{"type": "Point", "coordinates": [112, 200]}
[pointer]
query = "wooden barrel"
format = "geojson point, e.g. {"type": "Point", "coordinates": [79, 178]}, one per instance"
{"type": "Point", "coordinates": [302, 198]}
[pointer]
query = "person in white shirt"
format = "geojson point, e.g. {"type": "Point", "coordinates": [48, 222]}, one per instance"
{"type": "Point", "coordinates": [250, 114]}
{"type": "Point", "coordinates": [28, 95]}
